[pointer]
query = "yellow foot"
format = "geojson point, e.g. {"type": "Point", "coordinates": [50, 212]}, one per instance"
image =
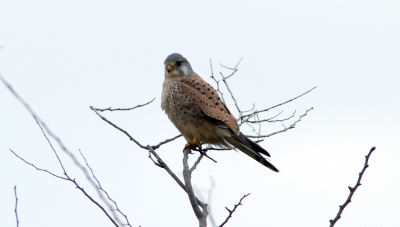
{"type": "Point", "coordinates": [193, 143]}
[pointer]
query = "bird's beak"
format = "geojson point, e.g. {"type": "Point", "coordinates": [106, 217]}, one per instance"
{"type": "Point", "coordinates": [170, 68]}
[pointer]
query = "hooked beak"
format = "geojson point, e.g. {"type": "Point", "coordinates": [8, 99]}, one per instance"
{"type": "Point", "coordinates": [170, 68]}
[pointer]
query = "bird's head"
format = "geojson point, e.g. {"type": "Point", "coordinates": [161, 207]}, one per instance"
{"type": "Point", "coordinates": [176, 66]}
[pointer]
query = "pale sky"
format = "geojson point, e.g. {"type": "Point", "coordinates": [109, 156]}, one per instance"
{"type": "Point", "coordinates": [64, 56]}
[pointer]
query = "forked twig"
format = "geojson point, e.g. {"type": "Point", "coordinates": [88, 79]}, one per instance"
{"type": "Point", "coordinates": [234, 209]}
{"type": "Point", "coordinates": [293, 125]}
{"type": "Point", "coordinates": [280, 104]}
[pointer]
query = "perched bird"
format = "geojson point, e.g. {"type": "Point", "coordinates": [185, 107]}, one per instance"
{"type": "Point", "coordinates": [197, 111]}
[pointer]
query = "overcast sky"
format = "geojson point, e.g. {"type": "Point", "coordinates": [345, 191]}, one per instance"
{"type": "Point", "coordinates": [64, 56]}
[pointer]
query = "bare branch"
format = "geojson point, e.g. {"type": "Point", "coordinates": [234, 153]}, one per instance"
{"type": "Point", "coordinates": [54, 175]}
{"type": "Point", "coordinates": [165, 141]}
{"type": "Point", "coordinates": [227, 86]}
{"type": "Point", "coordinates": [234, 209]}
{"type": "Point", "coordinates": [280, 104]}
{"type": "Point", "coordinates": [103, 190]}
{"type": "Point", "coordinates": [204, 151]}
{"type": "Point", "coordinates": [165, 166]}
{"type": "Point", "coordinates": [271, 119]}
{"type": "Point", "coordinates": [194, 201]}
{"type": "Point", "coordinates": [283, 130]}
{"type": "Point", "coordinates": [74, 182]}
{"type": "Point", "coordinates": [44, 129]}
{"type": "Point", "coordinates": [234, 67]}
{"type": "Point", "coordinates": [217, 82]}
{"type": "Point", "coordinates": [51, 145]}
{"type": "Point", "coordinates": [352, 190]}
{"type": "Point", "coordinates": [155, 163]}
{"type": "Point", "coordinates": [196, 163]}
{"type": "Point", "coordinates": [123, 109]}
{"type": "Point", "coordinates": [16, 205]}
{"type": "Point", "coordinates": [120, 129]}
{"type": "Point", "coordinates": [209, 201]}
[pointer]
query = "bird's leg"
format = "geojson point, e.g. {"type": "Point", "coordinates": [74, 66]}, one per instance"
{"type": "Point", "coordinates": [194, 143]}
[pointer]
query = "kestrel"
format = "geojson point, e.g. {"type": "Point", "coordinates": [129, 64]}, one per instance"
{"type": "Point", "coordinates": [197, 111]}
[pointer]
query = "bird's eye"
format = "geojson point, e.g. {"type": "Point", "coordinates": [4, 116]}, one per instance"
{"type": "Point", "coordinates": [178, 63]}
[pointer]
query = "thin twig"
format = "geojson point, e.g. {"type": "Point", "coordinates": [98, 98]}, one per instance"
{"type": "Point", "coordinates": [352, 190]}
{"type": "Point", "coordinates": [16, 205]}
{"type": "Point", "coordinates": [271, 119]}
{"type": "Point", "coordinates": [165, 141]}
{"type": "Point", "coordinates": [204, 151]}
{"type": "Point", "coordinates": [229, 90]}
{"type": "Point", "coordinates": [196, 163]}
{"type": "Point", "coordinates": [120, 129]}
{"type": "Point", "coordinates": [283, 130]}
{"type": "Point", "coordinates": [123, 109]}
{"type": "Point", "coordinates": [217, 82]}
{"type": "Point", "coordinates": [280, 104]}
{"type": "Point", "coordinates": [44, 170]}
{"type": "Point", "coordinates": [103, 190]}
{"type": "Point", "coordinates": [209, 200]}
{"type": "Point", "coordinates": [234, 209]}
{"type": "Point", "coordinates": [52, 148]}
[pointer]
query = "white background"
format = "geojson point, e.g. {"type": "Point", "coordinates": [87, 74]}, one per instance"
{"type": "Point", "coordinates": [64, 56]}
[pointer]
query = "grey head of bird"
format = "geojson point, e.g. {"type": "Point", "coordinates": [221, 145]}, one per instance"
{"type": "Point", "coordinates": [177, 66]}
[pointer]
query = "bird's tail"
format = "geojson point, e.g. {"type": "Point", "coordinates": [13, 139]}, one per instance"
{"type": "Point", "coordinates": [250, 148]}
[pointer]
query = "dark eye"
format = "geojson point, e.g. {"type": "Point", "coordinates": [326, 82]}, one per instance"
{"type": "Point", "coordinates": [178, 63]}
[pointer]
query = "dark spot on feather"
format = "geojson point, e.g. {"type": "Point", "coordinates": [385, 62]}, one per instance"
{"type": "Point", "coordinates": [198, 89]}
{"type": "Point", "coordinates": [212, 92]}
{"type": "Point", "coordinates": [222, 109]}
{"type": "Point", "coordinates": [203, 93]}
{"type": "Point", "coordinates": [184, 112]}
{"type": "Point", "coordinates": [216, 103]}
{"type": "Point", "coordinates": [208, 88]}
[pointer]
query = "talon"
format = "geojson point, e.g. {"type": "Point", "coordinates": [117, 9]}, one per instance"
{"type": "Point", "coordinates": [193, 143]}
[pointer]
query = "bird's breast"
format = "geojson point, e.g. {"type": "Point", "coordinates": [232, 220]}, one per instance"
{"type": "Point", "coordinates": [180, 109]}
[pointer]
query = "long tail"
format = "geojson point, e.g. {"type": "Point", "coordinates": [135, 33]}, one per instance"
{"type": "Point", "coordinates": [250, 148]}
